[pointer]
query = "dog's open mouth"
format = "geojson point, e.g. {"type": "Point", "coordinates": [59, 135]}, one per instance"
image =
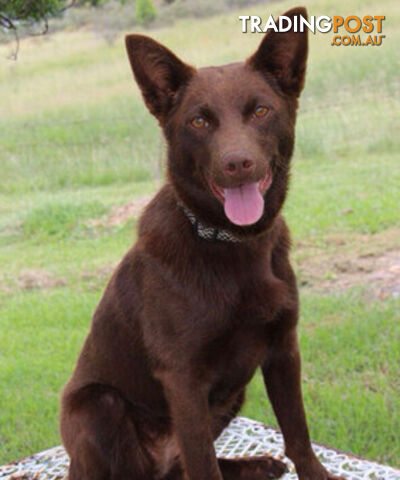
{"type": "Point", "coordinates": [244, 204]}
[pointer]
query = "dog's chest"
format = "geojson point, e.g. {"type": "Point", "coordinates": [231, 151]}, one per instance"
{"type": "Point", "coordinates": [240, 341]}
{"type": "Point", "coordinates": [215, 314]}
{"type": "Point", "coordinates": [250, 299]}
{"type": "Point", "coordinates": [240, 345]}
{"type": "Point", "coordinates": [232, 359]}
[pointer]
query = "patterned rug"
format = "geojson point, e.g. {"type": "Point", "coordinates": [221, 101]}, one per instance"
{"type": "Point", "coordinates": [242, 437]}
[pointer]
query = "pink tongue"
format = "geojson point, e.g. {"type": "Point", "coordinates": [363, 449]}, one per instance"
{"type": "Point", "coordinates": [244, 205]}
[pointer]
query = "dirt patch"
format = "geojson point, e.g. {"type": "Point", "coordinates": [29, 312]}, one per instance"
{"type": "Point", "coordinates": [39, 279]}
{"type": "Point", "coordinates": [122, 213]}
{"type": "Point", "coordinates": [97, 277]}
{"type": "Point", "coordinates": [4, 287]}
{"type": "Point", "coordinates": [11, 230]}
{"type": "Point", "coordinates": [368, 261]}
{"type": "Point", "coordinates": [103, 272]}
{"type": "Point", "coordinates": [336, 264]}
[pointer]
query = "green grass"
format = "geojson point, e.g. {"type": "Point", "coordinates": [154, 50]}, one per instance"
{"type": "Point", "coordinates": [77, 140]}
{"type": "Point", "coordinates": [325, 187]}
{"type": "Point", "coordinates": [351, 391]}
{"type": "Point", "coordinates": [59, 219]}
{"type": "Point", "coordinates": [44, 336]}
{"type": "Point", "coordinates": [106, 146]}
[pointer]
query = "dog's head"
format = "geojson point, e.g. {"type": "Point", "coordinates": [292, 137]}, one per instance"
{"type": "Point", "coordinates": [230, 129]}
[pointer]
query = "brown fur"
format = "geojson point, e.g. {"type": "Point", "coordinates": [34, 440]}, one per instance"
{"type": "Point", "coordinates": [184, 322]}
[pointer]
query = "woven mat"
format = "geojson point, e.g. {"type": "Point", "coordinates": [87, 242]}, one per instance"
{"type": "Point", "coordinates": [242, 437]}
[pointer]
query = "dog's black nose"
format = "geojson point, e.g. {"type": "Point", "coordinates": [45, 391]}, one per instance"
{"type": "Point", "coordinates": [237, 164]}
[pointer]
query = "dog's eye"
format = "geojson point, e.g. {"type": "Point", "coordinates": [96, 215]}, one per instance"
{"type": "Point", "coordinates": [260, 111]}
{"type": "Point", "coordinates": [199, 122]}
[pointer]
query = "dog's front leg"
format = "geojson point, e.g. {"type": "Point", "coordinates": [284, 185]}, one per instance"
{"type": "Point", "coordinates": [190, 415]}
{"type": "Point", "coordinates": [281, 373]}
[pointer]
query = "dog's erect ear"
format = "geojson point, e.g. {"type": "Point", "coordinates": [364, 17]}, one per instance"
{"type": "Point", "coordinates": [284, 55]}
{"type": "Point", "coordinates": [158, 72]}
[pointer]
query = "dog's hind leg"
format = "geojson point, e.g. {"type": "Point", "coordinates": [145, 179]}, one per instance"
{"type": "Point", "coordinates": [101, 438]}
{"type": "Point", "coordinates": [251, 468]}
{"type": "Point", "coordinates": [87, 462]}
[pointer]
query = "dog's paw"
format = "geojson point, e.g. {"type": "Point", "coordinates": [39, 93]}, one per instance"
{"type": "Point", "coordinates": [261, 468]}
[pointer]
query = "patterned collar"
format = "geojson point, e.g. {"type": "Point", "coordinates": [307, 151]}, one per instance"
{"type": "Point", "coordinates": [206, 232]}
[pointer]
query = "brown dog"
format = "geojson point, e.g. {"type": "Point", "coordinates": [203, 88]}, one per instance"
{"type": "Point", "coordinates": [207, 294]}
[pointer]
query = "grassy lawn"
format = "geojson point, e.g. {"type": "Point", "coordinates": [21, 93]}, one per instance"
{"type": "Point", "coordinates": [77, 142]}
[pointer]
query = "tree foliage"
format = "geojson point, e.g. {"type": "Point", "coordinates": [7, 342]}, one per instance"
{"type": "Point", "coordinates": [37, 10]}
{"type": "Point", "coordinates": [145, 11]}
{"type": "Point", "coordinates": [13, 13]}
